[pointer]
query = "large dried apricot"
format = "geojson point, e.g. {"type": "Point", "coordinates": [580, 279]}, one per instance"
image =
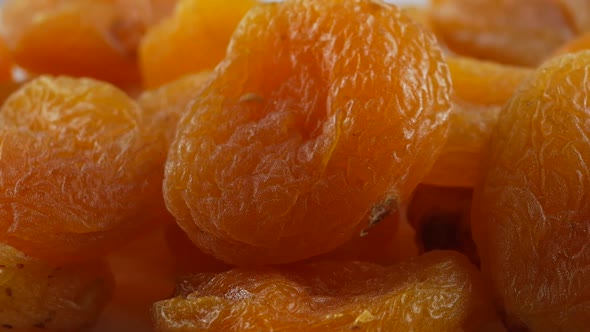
{"type": "Point", "coordinates": [194, 39]}
{"type": "Point", "coordinates": [282, 167]}
{"type": "Point", "coordinates": [521, 32]}
{"type": "Point", "coordinates": [480, 89]}
{"type": "Point", "coordinates": [530, 218]}
{"type": "Point", "coordinates": [439, 291]}
{"type": "Point", "coordinates": [80, 170]}
{"type": "Point", "coordinates": [40, 296]}
{"type": "Point", "coordinates": [5, 63]}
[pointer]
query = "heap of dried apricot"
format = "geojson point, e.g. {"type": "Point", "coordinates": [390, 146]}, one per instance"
{"type": "Point", "coordinates": [295, 165]}
{"type": "Point", "coordinates": [277, 168]}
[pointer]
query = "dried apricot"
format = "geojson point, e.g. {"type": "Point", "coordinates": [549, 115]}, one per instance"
{"type": "Point", "coordinates": [165, 105]}
{"type": "Point", "coordinates": [439, 291]}
{"type": "Point", "coordinates": [530, 214]}
{"type": "Point", "coordinates": [522, 32]}
{"type": "Point", "coordinates": [278, 168]}
{"type": "Point", "coordinates": [95, 38]}
{"type": "Point", "coordinates": [194, 39]}
{"type": "Point", "coordinates": [480, 90]}
{"type": "Point", "coordinates": [442, 219]}
{"type": "Point", "coordinates": [80, 169]}
{"type": "Point", "coordinates": [40, 296]}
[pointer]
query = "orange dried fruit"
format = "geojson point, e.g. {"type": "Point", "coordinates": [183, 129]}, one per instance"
{"type": "Point", "coordinates": [80, 169]}
{"type": "Point", "coordinates": [40, 296]}
{"type": "Point", "coordinates": [165, 105]}
{"type": "Point", "coordinates": [522, 32]}
{"type": "Point", "coordinates": [442, 219]}
{"type": "Point", "coordinates": [530, 213]}
{"type": "Point", "coordinates": [439, 291]}
{"type": "Point", "coordinates": [94, 38]}
{"type": "Point", "coordinates": [269, 169]}
{"type": "Point", "coordinates": [194, 39]}
{"type": "Point", "coordinates": [480, 89]}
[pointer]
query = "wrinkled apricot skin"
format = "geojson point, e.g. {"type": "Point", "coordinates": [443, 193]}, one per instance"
{"type": "Point", "coordinates": [83, 38]}
{"type": "Point", "coordinates": [522, 32]}
{"type": "Point", "coordinates": [80, 170]}
{"type": "Point", "coordinates": [440, 291]}
{"type": "Point", "coordinates": [194, 39]}
{"type": "Point", "coordinates": [165, 105]}
{"type": "Point", "coordinates": [40, 296]}
{"type": "Point", "coordinates": [480, 89]}
{"type": "Point", "coordinates": [275, 169]}
{"type": "Point", "coordinates": [530, 213]}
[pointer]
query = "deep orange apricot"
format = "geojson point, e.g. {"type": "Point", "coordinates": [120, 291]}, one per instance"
{"type": "Point", "coordinates": [530, 213]}
{"type": "Point", "coordinates": [80, 169]}
{"type": "Point", "coordinates": [439, 291]}
{"type": "Point", "coordinates": [40, 296]}
{"type": "Point", "coordinates": [522, 32]}
{"type": "Point", "coordinates": [480, 90]}
{"type": "Point", "coordinates": [194, 39]}
{"type": "Point", "coordinates": [269, 169]}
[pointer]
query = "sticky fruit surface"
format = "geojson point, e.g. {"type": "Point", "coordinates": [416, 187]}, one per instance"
{"type": "Point", "coordinates": [80, 170]}
{"type": "Point", "coordinates": [530, 218]}
{"type": "Point", "coordinates": [279, 168]}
